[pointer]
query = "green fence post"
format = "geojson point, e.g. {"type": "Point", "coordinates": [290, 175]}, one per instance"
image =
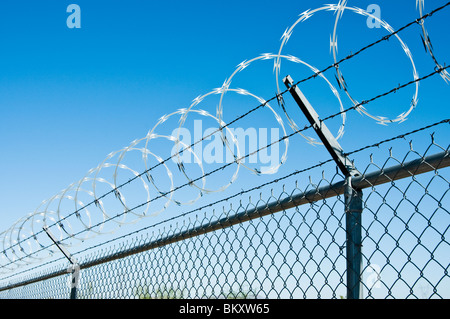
{"type": "Point", "coordinates": [353, 228]}
{"type": "Point", "coordinates": [353, 197]}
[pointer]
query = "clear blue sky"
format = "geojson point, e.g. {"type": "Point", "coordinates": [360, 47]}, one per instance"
{"type": "Point", "coordinates": [69, 97]}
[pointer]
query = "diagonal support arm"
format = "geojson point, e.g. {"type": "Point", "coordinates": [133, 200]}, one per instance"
{"type": "Point", "coordinates": [353, 197]}
{"type": "Point", "coordinates": [331, 144]}
{"type": "Point", "coordinates": [74, 269]}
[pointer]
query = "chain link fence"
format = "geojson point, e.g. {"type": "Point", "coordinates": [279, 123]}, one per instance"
{"type": "Point", "coordinates": [320, 232]}
{"type": "Point", "coordinates": [291, 242]}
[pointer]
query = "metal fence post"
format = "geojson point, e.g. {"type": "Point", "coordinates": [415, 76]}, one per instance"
{"type": "Point", "coordinates": [353, 197]}
{"type": "Point", "coordinates": [353, 228]}
{"type": "Point", "coordinates": [75, 267]}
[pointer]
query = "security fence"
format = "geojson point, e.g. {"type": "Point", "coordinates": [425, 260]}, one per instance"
{"type": "Point", "coordinates": [369, 223]}
{"type": "Point", "coordinates": [296, 243]}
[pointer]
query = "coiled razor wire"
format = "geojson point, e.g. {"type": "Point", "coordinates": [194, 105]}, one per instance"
{"type": "Point", "coordinates": [420, 4]}
{"type": "Point", "coordinates": [339, 10]}
{"type": "Point", "coordinates": [21, 242]}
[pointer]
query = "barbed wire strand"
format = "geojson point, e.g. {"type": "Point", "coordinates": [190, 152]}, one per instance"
{"type": "Point", "coordinates": [223, 167]}
{"type": "Point", "coordinates": [115, 189]}
{"type": "Point", "coordinates": [274, 181]}
{"type": "Point", "coordinates": [254, 152]}
{"type": "Point", "coordinates": [385, 38]}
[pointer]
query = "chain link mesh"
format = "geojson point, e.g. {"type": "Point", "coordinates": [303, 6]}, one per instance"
{"type": "Point", "coordinates": [289, 243]}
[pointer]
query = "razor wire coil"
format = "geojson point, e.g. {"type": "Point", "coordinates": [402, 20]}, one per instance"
{"type": "Point", "coordinates": [17, 239]}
